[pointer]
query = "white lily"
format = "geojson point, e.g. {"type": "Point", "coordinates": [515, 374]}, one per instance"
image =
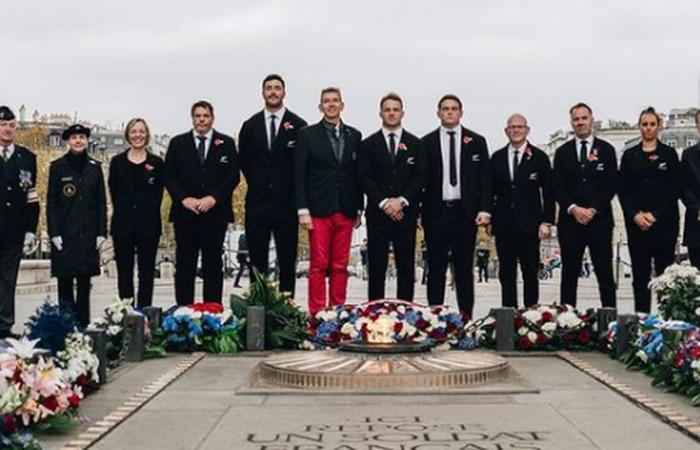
{"type": "Point", "coordinates": [23, 348]}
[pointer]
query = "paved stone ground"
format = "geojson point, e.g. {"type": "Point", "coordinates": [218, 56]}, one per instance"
{"type": "Point", "coordinates": [204, 410]}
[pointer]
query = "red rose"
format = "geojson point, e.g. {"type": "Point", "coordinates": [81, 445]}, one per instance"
{"type": "Point", "coordinates": [679, 361]}
{"type": "Point", "coordinates": [541, 339]}
{"type": "Point", "coordinates": [74, 401]}
{"type": "Point", "coordinates": [402, 146]}
{"type": "Point", "coordinates": [524, 343]}
{"type": "Point", "coordinates": [148, 167]}
{"type": "Point", "coordinates": [398, 327]}
{"type": "Point", "coordinates": [467, 140]}
{"type": "Point", "coordinates": [50, 403]}
{"type": "Point", "coordinates": [568, 337]}
{"type": "Point", "coordinates": [9, 424]}
{"type": "Point", "coordinates": [437, 310]}
{"type": "Point", "coordinates": [218, 142]}
{"type": "Point", "coordinates": [421, 324]}
{"type": "Point", "coordinates": [653, 158]}
{"type": "Point", "coordinates": [547, 316]}
{"type": "Point", "coordinates": [518, 321]}
{"type": "Point", "coordinates": [584, 337]}
{"type": "Point", "coordinates": [211, 308]}
{"type": "Point", "coordinates": [287, 126]}
{"type": "Point", "coordinates": [695, 352]}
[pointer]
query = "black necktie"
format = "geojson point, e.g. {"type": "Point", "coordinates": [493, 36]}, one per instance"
{"type": "Point", "coordinates": [453, 159]}
{"type": "Point", "coordinates": [584, 153]}
{"type": "Point", "coordinates": [392, 145]}
{"type": "Point", "coordinates": [201, 147]}
{"type": "Point", "coordinates": [273, 131]}
{"type": "Point", "coordinates": [515, 164]}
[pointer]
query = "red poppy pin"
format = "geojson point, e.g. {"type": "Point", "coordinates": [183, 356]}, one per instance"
{"type": "Point", "coordinates": [218, 142]}
{"type": "Point", "coordinates": [148, 167]}
{"type": "Point", "coordinates": [402, 146]}
{"type": "Point", "coordinates": [593, 156]}
{"type": "Point", "coordinates": [528, 152]}
{"type": "Point", "coordinates": [653, 158]}
{"type": "Point", "coordinates": [287, 126]}
{"type": "Point", "coordinates": [467, 140]}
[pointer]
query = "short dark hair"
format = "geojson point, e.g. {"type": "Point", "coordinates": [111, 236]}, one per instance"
{"type": "Point", "coordinates": [581, 105]}
{"type": "Point", "coordinates": [390, 96]}
{"type": "Point", "coordinates": [649, 110]}
{"type": "Point", "coordinates": [330, 90]}
{"type": "Point", "coordinates": [450, 97]}
{"type": "Point", "coordinates": [202, 104]}
{"type": "Point", "coordinates": [271, 77]}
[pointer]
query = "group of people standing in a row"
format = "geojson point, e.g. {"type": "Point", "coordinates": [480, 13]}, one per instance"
{"type": "Point", "coordinates": [317, 176]}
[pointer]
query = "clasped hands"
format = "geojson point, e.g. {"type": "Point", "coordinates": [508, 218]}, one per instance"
{"type": "Point", "coordinates": [583, 215]}
{"type": "Point", "coordinates": [644, 220]}
{"type": "Point", "coordinates": [199, 205]}
{"type": "Point", "coordinates": [393, 207]}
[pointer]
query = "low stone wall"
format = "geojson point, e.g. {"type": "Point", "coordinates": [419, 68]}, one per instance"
{"type": "Point", "coordinates": [34, 271]}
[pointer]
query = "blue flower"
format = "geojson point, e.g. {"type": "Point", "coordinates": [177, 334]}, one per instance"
{"type": "Point", "coordinates": [466, 343]}
{"type": "Point", "coordinates": [326, 328]}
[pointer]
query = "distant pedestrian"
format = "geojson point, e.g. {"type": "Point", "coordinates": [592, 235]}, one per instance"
{"type": "Point", "coordinates": [243, 259]}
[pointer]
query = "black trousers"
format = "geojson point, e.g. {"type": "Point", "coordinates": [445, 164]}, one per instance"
{"type": "Point", "coordinates": [78, 301]}
{"type": "Point", "coordinates": [10, 256]}
{"type": "Point", "coordinates": [694, 256]}
{"type": "Point", "coordinates": [513, 247]}
{"type": "Point", "coordinates": [242, 264]}
{"type": "Point", "coordinates": [402, 236]}
{"type": "Point", "coordinates": [451, 233]}
{"type": "Point", "coordinates": [573, 240]}
{"type": "Point", "coordinates": [192, 237]}
{"type": "Point", "coordinates": [483, 268]}
{"type": "Point", "coordinates": [259, 228]}
{"type": "Point", "coordinates": [659, 244]}
{"type": "Point", "coordinates": [146, 247]}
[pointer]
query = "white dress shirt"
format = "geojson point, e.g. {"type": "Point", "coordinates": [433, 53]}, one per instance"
{"type": "Point", "coordinates": [450, 192]}
{"type": "Point", "coordinates": [11, 149]}
{"type": "Point", "coordinates": [511, 153]}
{"type": "Point", "coordinates": [278, 121]}
{"type": "Point", "coordinates": [207, 141]}
{"type": "Point", "coordinates": [397, 139]}
{"type": "Point", "coordinates": [589, 146]}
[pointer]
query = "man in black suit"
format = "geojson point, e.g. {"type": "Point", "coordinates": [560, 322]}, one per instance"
{"type": "Point", "coordinates": [523, 210]}
{"type": "Point", "coordinates": [392, 168]}
{"type": "Point", "coordinates": [457, 201]}
{"type": "Point", "coordinates": [328, 198]}
{"type": "Point", "coordinates": [19, 213]}
{"type": "Point", "coordinates": [267, 143]}
{"type": "Point", "coordinates": [585, 177]}
{"type": "Point", "coordinates": [690, 169]}
{"type": "Point", "coordinates": [201, 172]}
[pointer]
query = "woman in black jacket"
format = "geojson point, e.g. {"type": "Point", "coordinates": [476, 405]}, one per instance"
{"type": "Point", "coordinates": [136, 186]}
{"type": "Point", "coordinates": [649, 192]}
{"type": "Point", "coordinates": [77, 221]}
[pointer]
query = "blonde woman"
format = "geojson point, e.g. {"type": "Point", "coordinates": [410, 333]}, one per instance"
{"type": "Point", "coordinates": [136, 187]}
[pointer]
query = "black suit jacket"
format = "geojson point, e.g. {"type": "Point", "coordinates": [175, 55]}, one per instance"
{"type": "Point", "coordinates": [136, 206]}
{"type": "Point", "coordinates": [592, 187]}
{"type": "Point", "coordinates": [269, 173]}
{"type": "Point", "coordinates": [324, 185]}
{"type": "Point", "coordinates": [650, 182]}
{"type": "Point", "coordinates": [690, 171]}
{"type": "Point", "coordinates": [529, 200]}
{"type": "Point", "coordinates": [475, 175]}
{"type": "Point", "coordinates": [382, 178]}
{"type": "Point", "coordinates": [186, 177]}
{"type": "Point", "coordinates": [19, 201]}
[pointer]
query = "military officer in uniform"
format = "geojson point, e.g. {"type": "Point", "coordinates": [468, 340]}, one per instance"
{"type": "Point", "coordinates": [19, 213]}
{"type": "Point", "coordinates": [77, 221]}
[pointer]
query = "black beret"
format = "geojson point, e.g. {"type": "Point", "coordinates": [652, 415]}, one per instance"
{"type": "Point", "coordinates": [6, 113]}
{"type": "Point", "coordinates": [75, 129]}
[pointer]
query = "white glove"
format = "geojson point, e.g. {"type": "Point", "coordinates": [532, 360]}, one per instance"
{"type": "Point", "coordinates": [57, 242]}
{"type": "Point", "coordinates": [30, 243]}
{"type": "Point", "coordinates": [99, 241]}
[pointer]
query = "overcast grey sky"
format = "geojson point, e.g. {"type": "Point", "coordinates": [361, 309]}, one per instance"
{"type": "Point", "coordinates": [111, 60]}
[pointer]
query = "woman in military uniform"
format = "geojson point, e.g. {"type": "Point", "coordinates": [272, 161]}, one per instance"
{"type": "Point", "coordinates": [136, 187]}
{"type": "Point", "coordinates": [649, 192]}
{"type": "Point", "coordinates": [77, 221]}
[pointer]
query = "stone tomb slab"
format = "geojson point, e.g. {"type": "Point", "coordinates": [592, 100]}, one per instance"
{"type": "Point", "coordinates": [569, 413]}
